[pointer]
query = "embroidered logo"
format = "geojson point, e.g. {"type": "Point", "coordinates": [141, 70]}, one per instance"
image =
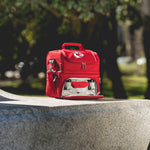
{"type": "Point", "coordinates": [78, 54]}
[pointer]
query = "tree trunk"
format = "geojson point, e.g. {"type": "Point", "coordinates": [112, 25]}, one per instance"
{"type": "Point", "coordinates": [146, 36]}
{"type": "Point", "coordinates": [103, 39]}
{"type": "Point", "coordinates": [146, 42]}
{"type": "Point", "coordinates": [110, 56]}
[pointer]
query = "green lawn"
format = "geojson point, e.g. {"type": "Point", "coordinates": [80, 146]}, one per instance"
{"type": "Point", "coordinates": [35, 88]}
{"type": "Point", "coordinates": [134, 85]}
{"type": "Point", "coordinates": [133, 78]}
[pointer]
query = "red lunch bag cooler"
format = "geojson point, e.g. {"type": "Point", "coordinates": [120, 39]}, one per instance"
{"type": "Point", "coordinates": [73, 73]}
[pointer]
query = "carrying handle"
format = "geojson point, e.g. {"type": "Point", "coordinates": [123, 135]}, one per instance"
{"type": "Point", "coordinates": [73, 44]}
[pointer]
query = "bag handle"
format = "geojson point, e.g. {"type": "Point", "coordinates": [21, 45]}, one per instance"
{"type": "Point", "coordinates": [73, 44]}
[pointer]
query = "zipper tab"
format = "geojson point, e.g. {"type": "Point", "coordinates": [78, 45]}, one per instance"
{"type": "Point", "coordinates": [51, 61]}
{"type": "Point", "coordinates": [83, 65]}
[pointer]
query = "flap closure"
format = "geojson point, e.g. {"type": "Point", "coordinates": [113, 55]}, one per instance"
{"type": "Point", "coordinates": [82, 84]}
{"type": "Point", "coordinates": [79, 56]}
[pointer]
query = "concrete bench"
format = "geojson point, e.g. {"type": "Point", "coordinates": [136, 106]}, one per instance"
{"type": "Point", "coordinates": [43, 123]}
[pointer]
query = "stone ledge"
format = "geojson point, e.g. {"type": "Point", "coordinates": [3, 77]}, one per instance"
{"type": "Point", "coordinates": [43, 123]}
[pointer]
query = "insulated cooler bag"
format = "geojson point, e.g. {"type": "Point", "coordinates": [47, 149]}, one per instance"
{"type": "Point", "coordinates": [73, 73]}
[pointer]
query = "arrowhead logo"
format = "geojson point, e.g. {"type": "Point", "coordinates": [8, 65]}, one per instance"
{"type": "Point", "coordinates": [78, 54]}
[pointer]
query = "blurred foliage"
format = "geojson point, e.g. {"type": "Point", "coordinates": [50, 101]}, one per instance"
{"type": "Point", "coordinates": [134, 85]}
{"type": "Point", "coordinates": [29, 28]}
{"type": "Point", "coordinates": [27, 14]}
{"type": "Point", "coordinates": [129, 11]}
{"type": "Point", "coordinates": [134, 79]}
{"type": "Point", "coordinates": [30, 12]}
{"type": "Point", "coordinates": [133, 68]}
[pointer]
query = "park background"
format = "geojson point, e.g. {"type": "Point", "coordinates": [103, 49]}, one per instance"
{"type": "Point", "coordinates": [118, 30]}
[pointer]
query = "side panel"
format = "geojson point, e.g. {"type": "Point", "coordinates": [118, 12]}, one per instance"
{"type": "Point", "coordinates": [50, 86]}
{"type": "Point", "coordinates": [52, 76]}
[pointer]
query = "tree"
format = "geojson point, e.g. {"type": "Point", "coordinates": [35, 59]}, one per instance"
{"type": "Point", "coordinates": [146, 36]}
{"type": "Point", "coordinates": [92, 23]}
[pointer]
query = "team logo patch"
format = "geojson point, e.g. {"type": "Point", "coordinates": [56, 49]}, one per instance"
{"type": "Point", "coordinates": [78, 54]}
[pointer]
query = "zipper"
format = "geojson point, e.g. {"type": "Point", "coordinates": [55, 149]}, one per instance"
{"type": "Point", "coordinates": [77, 73]}
{"type": "Point", "coordinates": [80, 62]}
{"type": "Point", "coordinates": [83, 65]}
{"type": "Point", "coordinates": [51, 61]}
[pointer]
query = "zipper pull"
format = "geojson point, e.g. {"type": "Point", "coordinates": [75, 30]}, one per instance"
{"type": "Point", "coordinates": [83, 65]}
{"type": "Point", "coordinates": [51, 61]}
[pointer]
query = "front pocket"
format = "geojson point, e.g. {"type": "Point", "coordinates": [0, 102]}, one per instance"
{"type": "Point", "coordinates": [79, 87]}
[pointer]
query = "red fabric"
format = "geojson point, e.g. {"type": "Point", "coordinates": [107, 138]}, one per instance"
{"type": "Point", "coordinates": [86, 56]}
{"type": "Point", "coordinates": [50, 88]}
{"type": "Point", "coordinates": [83, 97]}
{"type": "Point", "coordinates": [73, 44]}
{"type": "Point", "coordinates": [70, 66]}
{"type": "Point", "coordinates": [80, 84]}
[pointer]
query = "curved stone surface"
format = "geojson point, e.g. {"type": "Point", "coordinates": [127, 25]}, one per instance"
{"type": "Point", "coordinates": [43, 123]}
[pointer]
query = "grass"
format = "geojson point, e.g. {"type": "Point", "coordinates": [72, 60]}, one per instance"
{"type": "Point", "coordinates": [35, 88]}
{"type": "Point", "coordinates": [133, 78]}
{"type": "Point", "coordinates": [134, 85]}
{"type": "Point", "coordinates": [132, 69]}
